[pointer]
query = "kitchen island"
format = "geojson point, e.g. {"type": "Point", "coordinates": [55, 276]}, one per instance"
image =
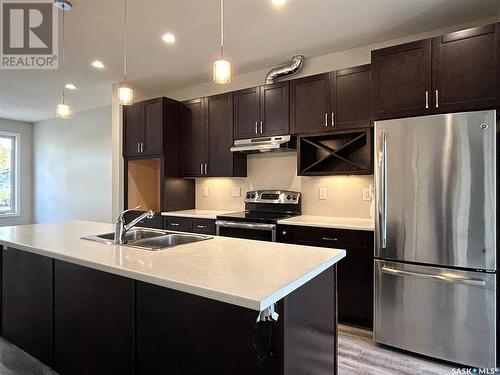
{"type": "Point", "coordinates": [84, 307]}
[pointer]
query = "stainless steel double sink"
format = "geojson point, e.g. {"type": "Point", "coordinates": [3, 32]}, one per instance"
{"type": "Point", "coordinates": [149, 239]}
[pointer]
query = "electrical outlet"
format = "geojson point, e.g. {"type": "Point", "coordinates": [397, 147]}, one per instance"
{"type": "Point", "coordinates": [204, 192]}
{"type": "Point", "coordinates": [366, 194]}
{"type": "Point", "coordinates": [236, 191]}
{"type": "Point", "coordinates": [322, 194]}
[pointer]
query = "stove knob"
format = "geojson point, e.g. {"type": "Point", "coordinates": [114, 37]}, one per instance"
{"type": "Point", "coordinates": [288, 197]}
{"type": "Point", "coordinates": [294, 197]}
{"type": "Point", "coordinates": [253, 196]}
{"type": "Point", "coordinates": [248, 196]}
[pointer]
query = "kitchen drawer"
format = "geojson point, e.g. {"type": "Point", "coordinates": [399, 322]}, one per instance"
{"type": "Point", "coordinates": [203, 226]}
{"type": "Point", "coordinates": [182, 224]}
{"type": "Point", "coordinates": [326, 237]}
{"type": "Point", "coordinates": [155, 222]}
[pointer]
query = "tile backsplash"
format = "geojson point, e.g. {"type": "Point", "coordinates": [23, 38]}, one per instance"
{"type": "Point", "coordinates": [344, 194]}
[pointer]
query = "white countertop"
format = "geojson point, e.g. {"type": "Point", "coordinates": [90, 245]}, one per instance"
{"type": "Point", "coordinates": [195, 213]}
{"type": "Point", "coordinates": [251, 274]}
{"type": "Point", "coordinates": [330, 222]}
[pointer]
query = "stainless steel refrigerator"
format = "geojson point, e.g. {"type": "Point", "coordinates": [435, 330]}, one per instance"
{"type": "Point", "coordinates": [435, 239]}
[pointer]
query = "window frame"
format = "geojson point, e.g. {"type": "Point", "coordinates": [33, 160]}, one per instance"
{"type": "Point", "coordinates": [15, 212]}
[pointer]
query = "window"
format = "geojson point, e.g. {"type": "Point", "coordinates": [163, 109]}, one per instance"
{"type": "Point", "coordinates": [9, 171]}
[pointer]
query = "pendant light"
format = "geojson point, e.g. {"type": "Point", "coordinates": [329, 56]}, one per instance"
{"type": "Point", "coordinates": [125, 93]}
{"type": "Point", "coordinates": [222, 68]}
{"type": "Point", "coordinates": [63, 110]}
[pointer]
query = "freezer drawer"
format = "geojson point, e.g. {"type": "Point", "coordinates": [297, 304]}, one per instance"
{"type": "Point", "coordinates": [442, 313]}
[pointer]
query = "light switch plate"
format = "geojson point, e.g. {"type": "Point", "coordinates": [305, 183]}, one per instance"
{"type": "Point", "coordinates": [236, 191]}
{"type": "Point", "coordinates": [204, 192]}
{"type": "Point", "coordinates": [366, 194]}
{"type": "Point", "coordinates": [322, 194]}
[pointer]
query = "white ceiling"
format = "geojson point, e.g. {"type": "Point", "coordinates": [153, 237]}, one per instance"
{"type": "Point", "coordinates": [258, 35]}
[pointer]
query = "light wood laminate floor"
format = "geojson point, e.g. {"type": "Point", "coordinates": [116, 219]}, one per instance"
{"type": "Point", "coordinates": [358, 354]}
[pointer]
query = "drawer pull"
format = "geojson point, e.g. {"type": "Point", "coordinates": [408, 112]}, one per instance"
{"type": "Point", "coordinates": [330, 239]}
{"type": "Point", "coordinates": [201, 226]}
{"type": "Point", "coordinates": [174, 224]}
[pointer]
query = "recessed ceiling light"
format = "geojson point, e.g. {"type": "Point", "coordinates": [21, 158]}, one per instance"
{"type": "Point", "coordinates": [279, 2]}
{"type": "Point", "coordinates": [97, 64]}
{"type": "Point", "coordinates": [70, 86]}
{"type": "Point", "coordinates": [168, 38]}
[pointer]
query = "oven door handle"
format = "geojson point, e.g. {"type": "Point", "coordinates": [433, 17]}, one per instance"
{"type": "Point", "coordinates": [235, 224]}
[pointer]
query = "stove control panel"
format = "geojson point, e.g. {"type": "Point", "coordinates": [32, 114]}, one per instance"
{"type": "Point", "coordinates": [273, 196]}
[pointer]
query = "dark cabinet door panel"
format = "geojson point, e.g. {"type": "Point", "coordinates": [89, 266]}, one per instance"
{"type": "Point", "coordinates": [219, 118]}
{"type": "Point", "coordinates": [94, 320]}
{"type": "Point", "coordinates": [274, 108]}
{"type": "Point", "coordinates": [195, 138]}
{"type": "Point", "coordinates": [310, 104]}
{"type": "Point", "coordinates": [401, 80]}
{"type": "Point", "coordinates": [27, 302]}
{"type": "Point", "coordinates": [181, 224]}
{"type": "Point", "coordinates": [465, 69]}
{"type": "Point", "coordinates": [203, 226]}
{"type": "Point", "coordinates": [153, 144]}
{"type": "Point", "coordinates": [247, 113]}
{"type": "Point", "coordinates": [352, 97]}
{"type": "Point", "coordinates": [133, 117]}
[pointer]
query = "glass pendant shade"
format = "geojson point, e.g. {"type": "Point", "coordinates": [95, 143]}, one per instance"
{"type": "Point", "coordinates": [125, 95]}
{"type": "Point", "coordinates": [222, 71]}
{"type": "Point", "coordinates": [63, 111]}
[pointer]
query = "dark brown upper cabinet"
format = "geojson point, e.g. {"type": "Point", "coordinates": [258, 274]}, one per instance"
{"type": "Point", "coordinates": [207, 138]}
{"type": "Point", "coordinates": [262, 111]}
{"type": "Point", "coordinates": [143, 128]}
{"type": "Point", "coordinates": [351, 94]}
{"type": "Point", "coordinates": [465, 69]}
{"type": "Point", "coordinates": [219, 119]}
{"type": "Point", "coordinates": [401, 80]}
{"type": "Point", "coordinates": [330, 101]}
{"type": "Point", "coordinates": [310, 103]}
{"type": "Point", "coordinates": [448, 73]}
{"type": "Point", "coordinates": [194, 137]}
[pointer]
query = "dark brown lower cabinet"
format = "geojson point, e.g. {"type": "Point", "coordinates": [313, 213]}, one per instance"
{"type": "Point", "coordinates": [354, 272]}
{"type": "Point", "coordinates": [27, 302]}
{"type": "Point", "coordinates": [93, 321]}
{"type": "Point", "coordinates": [187, 224]}
{"type": "Point", "coordinates": [180, 334]}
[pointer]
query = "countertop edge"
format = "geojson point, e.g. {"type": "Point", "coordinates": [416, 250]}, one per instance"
{"type": "Point", "coordinates": [325, 225]}
{"type": "Point", "coordinates": [241, 301]}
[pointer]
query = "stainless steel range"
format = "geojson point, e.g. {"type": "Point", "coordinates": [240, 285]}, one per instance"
{"type": "Point", "coordinates": [263, 209]}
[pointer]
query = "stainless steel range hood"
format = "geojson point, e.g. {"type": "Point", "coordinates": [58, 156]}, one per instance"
{"type": "Point", "coordinates": [264, 144]}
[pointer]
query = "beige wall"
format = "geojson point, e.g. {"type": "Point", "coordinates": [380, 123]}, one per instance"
{"type": "Point", "coordinates": [25, 130]}
{"type": "Point", "coordinates": [73, 167]}
{"type": "Point", "coordinates": [279, 171]}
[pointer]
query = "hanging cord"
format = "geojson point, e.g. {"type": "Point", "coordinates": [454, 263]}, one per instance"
{"type": "Point", "coordinates": [222, 29]}
{"type": "Point", "coordinates": [125, 44]}
{"type": "Point", "coordinates": [62, 57]}
{"type": "Point", "coordinates": [264, 352]}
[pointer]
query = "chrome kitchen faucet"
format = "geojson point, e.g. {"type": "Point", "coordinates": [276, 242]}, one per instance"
{"type": "Point", "coordinates": [121, 228]}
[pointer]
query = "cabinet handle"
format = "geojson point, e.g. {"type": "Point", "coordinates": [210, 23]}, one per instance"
{"type": "Point", "coordinates": [437, 98]}
{"type": "Point", "coordinates": [174, 224]}
{"type": "Point", "coordinates": [333, 119]}
{"type": "Point", "coordinates": [283, 233]}
{"type": "Point", "coordinates": [201, 168]}
{"type": "Point", "coordinates": [256, 125]}
{"type": "Point", "coordinates": [426, 99]}
{"type": "Point", "coordinates": [142, 148]}
{"type": "Point", "coordinates": [330, 239]}
{"type": "Point", "coordinates": [326, 119]}
{"type": "Point", "coordinates": [201, 226]}
{"type": "Point", "coordinates": [138, 147]}
{"type": "Point", "coordinates": [261, 127]}
{"type": "Point", "coordinates": [206, 167]}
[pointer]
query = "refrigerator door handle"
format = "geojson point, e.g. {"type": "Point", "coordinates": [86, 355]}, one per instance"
{"type": "Point", "coordinates": [382, 191]}
{"type": "Point", "coordinates": [440, 277]}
